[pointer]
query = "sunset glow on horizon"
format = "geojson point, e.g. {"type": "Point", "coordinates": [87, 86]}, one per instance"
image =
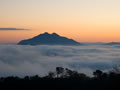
{"type": "Point", "coordinates": [81, 20]}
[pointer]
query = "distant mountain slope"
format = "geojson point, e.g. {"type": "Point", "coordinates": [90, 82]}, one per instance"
{"type": "Point", "coordinates": [48, 39]}
{"type": "Point", "coordinates": [113, 43]}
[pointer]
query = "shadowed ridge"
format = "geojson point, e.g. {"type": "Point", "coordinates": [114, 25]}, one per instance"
{"type": "Point", "coordinates": [49, 39]}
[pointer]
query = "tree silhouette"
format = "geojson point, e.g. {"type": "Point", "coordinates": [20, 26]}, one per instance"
{"type": "Point", "coordinates": [98, 73]}
{"type": "Point", "coordinates": [59, 71]}
{"type": "Point", "coordinates": [51, 75]}
{"type": "Point", "coordinates": [72, 80]}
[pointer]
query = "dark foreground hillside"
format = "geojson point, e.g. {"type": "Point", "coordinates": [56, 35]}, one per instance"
{"type": "Point", "coordinates": [64, 79]}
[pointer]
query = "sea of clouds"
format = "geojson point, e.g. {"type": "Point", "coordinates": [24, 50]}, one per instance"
{"type": "Point", "coordinates": [22, 60]}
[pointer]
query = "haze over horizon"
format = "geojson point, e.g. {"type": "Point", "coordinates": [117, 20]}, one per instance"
{"type": "Point", "coordinates": [81, 20]}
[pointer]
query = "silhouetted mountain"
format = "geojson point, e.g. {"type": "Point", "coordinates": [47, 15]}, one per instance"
{"type": "Point", "coordinates": [113, 43]}
{"type": "Point", "coordinates": [48, 39]}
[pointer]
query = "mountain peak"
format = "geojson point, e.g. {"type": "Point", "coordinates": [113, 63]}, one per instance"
{"type": "Point", "coordinates": [46, 33]}
{"type": "Point", "coordinates": [54, 34]}
{"type": "Point", "coordinates": [48, 39]}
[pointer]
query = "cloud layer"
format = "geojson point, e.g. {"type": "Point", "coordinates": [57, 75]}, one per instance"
{"type": "Point", "coordinates": [30, 60]}
{"type": "Point", "coordinates": [13, 29]}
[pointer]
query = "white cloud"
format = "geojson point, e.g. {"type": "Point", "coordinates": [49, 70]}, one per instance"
{"type": "Point", "coordinates": [31, 60]}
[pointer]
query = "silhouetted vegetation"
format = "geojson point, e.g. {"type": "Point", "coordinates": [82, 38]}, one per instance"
{"type": "Point", "coordinates": [64, 78]}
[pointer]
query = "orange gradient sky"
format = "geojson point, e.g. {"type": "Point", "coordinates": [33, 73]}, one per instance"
{"type": "Point", "coordinates": [82, 20]}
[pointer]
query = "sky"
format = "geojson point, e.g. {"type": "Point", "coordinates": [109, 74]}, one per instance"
{"type": "Point", "coordinates": [81, 20]}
